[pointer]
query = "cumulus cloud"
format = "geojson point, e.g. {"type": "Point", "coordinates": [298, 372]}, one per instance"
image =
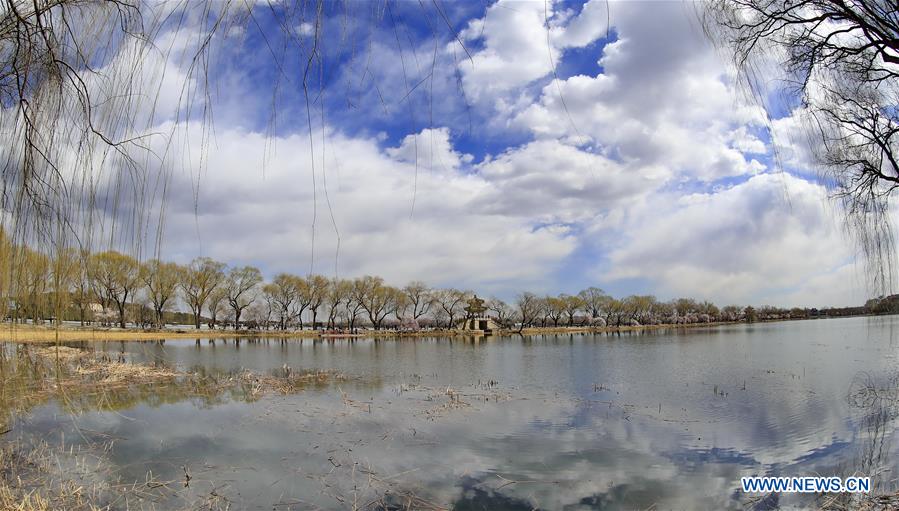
{"type": "Point", "coordinates": [554, 182]}
{"type": "Point", "coordinates": [653, 167]}
{"type": "Point", "coordinates": [522, 42]}
{"type": "Point", "coordinates": [430, 148]}
{"type": "Point", "coordinates": [662, 98]}
{"type": "Point", "coordinates": [514, 48]}
{"type": "Point", "coordinates": [363, 194]}
{"type": "Point", "coordinates": [768, 239]}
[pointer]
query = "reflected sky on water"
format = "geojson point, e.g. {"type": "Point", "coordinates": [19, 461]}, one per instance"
{"type": "Point", "coordinates": [668, 418]}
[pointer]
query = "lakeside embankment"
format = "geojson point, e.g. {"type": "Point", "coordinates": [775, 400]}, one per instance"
{"type": "Point", "coordinates": [37, 333]}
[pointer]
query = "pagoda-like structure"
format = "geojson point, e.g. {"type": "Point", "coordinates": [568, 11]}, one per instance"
{"type": "Point", "coordinates": [476, 322]}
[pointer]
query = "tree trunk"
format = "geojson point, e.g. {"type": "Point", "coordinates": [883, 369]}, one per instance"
{"type": "Point", "coordinates": [121, 314]}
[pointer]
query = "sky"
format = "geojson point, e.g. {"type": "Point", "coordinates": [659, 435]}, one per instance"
{"type": "Point", "coordinates": [492, 146]}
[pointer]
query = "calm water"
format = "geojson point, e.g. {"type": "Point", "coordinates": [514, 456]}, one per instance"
{"type": "Point", "coordinates": [667, 419]}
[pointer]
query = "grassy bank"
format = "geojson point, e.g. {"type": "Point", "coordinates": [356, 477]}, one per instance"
{"type": "Point", "coordinates": [33, 333]}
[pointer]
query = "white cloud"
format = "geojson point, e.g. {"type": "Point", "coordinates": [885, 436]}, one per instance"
{"type": "Point", "coordinates": [794, 145]}
{"type": "Point", "coordinates": [432, 148]}
{"type": "Point", "coordinates": [554, 182]}
{"type": "Point", "coordinates": [453, 237]}
{"type": "Point", "coordinates": [663, 98]}
{"type": "Point", "coordinates": [605, 175]}
{"type": "Point", "coordinates": [522, 41]}
{"type": "Point", "coordinates": [515, 48]}
{"type": "Point", "coordinates": [768, 239]}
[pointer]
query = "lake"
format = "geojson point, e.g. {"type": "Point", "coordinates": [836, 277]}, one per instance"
{"type": "Point", "coordinates": [667, 419]}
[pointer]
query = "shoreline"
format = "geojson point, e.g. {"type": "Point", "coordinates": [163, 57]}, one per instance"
{"type": "Point", "coordinates": [12, 332]}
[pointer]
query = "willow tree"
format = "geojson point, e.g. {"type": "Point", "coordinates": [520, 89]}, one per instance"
{"type": "Point", "coordinates": [339, 290]}
{"type": "Point", "coordinates": [838, 61]}
{"type": "Point", "coordinates": [65, 272]}
{"type": "Point", "coordinates": [32, 280]}
{"type": "Point", "coordinates": [377, 299]}
{"type": "Point", "coordinates": [82, 296]}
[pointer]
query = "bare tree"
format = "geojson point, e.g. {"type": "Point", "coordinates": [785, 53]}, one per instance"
{"type": "Point", "coordinates": [420, 298]}
{"type": "Point", "coordinates": [305, 297]}
{"type": "Point", "coordinates": [198, 280]}
{"type": "Point", "coordinates": [594, 300]}
{"type": "Point", "coordinates": [528, 309]}
{"type": "Point", "coordinates": [451, 302]}
{"type": "Point", "coordinates": [284, 293]}
{"type": "Point", "coordinates": [318, 288]}
{"type": "Point", "coordinates": [500, 309]}
{"type": "Point", "coordinates": [353, 304]}
{"type": "Point", "coordinates": [241, 284]}
{"type": "Point", "coordinates": [217, 305]}
{"type": "Point", "coordinates": [118, 275]}
{"type": "Point", "coordinates": [840, 59]}
{"type": "Point", "coordinates": [161, 279]}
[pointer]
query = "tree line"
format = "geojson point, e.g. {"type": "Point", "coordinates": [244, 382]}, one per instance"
{"type": "Point", "coordinates": [110, 287]}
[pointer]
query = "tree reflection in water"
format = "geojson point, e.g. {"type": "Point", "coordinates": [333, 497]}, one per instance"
{"type": "Point", "coordinates": [875, 404]}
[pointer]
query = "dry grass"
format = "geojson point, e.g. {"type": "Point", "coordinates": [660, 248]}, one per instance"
{"type": "Point", "coordinates": [32, 476]}
{"type": "Point", "coordinates": [49, 368]}
{"type": "Point", "coordinates": [101, 368]}
{"type": "Point", "coordinates": [859, 502]}
{"type": "Point", "coordinates": [259, 384]}
{"type": "Point", "coordinates": [25, 485]}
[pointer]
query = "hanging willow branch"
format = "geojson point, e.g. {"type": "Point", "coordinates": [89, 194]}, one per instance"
{"type": "Point", "coordinates": [840, 60]}
{"type": "Point", "coordinates": [88, 131]}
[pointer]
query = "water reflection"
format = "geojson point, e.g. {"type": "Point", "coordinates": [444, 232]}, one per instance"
{"type": "Point", "coordinates": [664, 419]}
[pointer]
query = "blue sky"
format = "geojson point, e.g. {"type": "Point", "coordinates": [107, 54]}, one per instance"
{"type": "Point", "coordinates": [635, 165]}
